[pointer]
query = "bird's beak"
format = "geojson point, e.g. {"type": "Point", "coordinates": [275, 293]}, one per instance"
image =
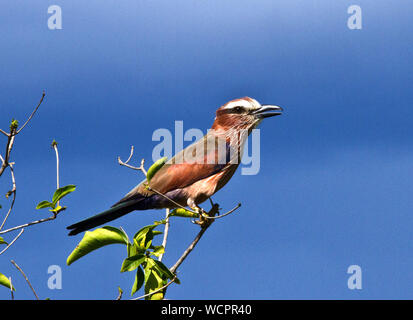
{"type": "Point", "coordinates": [266, 111]}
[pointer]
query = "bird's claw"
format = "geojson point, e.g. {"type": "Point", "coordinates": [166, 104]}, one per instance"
{"type": "Point", "coordinates": [203, 221]}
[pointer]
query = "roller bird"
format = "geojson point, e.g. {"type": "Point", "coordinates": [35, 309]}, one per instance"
{"type": "Point", "coordinates": [197, 172]}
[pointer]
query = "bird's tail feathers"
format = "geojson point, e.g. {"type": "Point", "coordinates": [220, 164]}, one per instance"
{"type": "Point", "coordinates": [103, 217]}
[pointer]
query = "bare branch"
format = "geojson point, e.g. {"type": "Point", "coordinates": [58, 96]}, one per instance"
{"type": "Point", "coordinates": [188, 250]}
{"type": "Point", "coordinates": [126, 163]}
{"type": "Point", "coordinates": [165, 233]}
{"type": "Point", "coordinates": [12, 134]}
{"type": "Point", "coordinates": [191, 247]}
{"type": "Point", "coordinates": [32, 223]}
{"type": "Point", "coordinates": [54, 145]}
{"type": "Point", "coordinates": [25, 277]}
{"type": "Point", "coordinates": [9, 146]}
{"type": "Point", "coordinates": [224, 214]}
{"type": "Point", "coordinates": [34, 111]}
{"type": "Point", "coordinates": [12, 191]}
{"type": "Point", "coordinates": [131, 154]}
{"type": "Point", "coordinates": [11, 243]}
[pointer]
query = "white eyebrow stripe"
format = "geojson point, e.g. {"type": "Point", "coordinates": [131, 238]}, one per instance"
{"type": "Point", "coordinates": [243, 103]}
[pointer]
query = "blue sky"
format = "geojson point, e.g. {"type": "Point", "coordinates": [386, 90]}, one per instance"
{"type": "Point", "coordinates": [336, 174]}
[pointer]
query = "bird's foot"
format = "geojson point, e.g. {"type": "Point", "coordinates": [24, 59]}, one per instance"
{"type": "Point", "coordinates": [203, 220]}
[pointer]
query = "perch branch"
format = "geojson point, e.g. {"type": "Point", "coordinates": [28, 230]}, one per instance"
{"type": "Point", "coordinates": [204, 227]}
{"type": "Point", "coordinates": [188, 250]}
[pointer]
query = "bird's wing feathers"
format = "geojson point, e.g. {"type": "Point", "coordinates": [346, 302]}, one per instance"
{"type": "Point", "coordinates": [200, 160]}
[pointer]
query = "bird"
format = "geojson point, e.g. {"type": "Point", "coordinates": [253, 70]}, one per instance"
{"type": "Point", "coordinates": [197, 172]}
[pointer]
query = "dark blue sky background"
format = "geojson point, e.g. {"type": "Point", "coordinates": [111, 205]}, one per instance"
{"type": "Point", "coordinates": [335, 185]}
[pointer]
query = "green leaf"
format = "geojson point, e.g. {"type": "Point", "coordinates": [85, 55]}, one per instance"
{"type": "Point", "coordinates": [143, 238]}
{"type": "Point", "coordinates": [96, 239]}
{"type": "Point", "coordinates": [139, 280]}
{"type": "Point", "coordinates": [58, 209]}
{"type": "Point", "coordinates": [162, 269]}
{"type": "Point", "coordinates": [61, 192]}
{"type": "Point", "coordinates": [180, 212]}
{"type": "Point", "coordinates": [153, 282]}
{"type": "Point", "coordinates": [158, 250]}
{"type": "Point", "coordinates": [155, 168]}
{"type": "Point", "coordinates": [45, 204]}
{"type": "Point", "coordinates": [14, 124]}
{"type": "Point", "coordinates": [156, 274]}
{"type": "Point", "coordinates": [132, 250]}
{"type": "Point", "coordinates": [4, 281]}
{"type": "Point", "coordinates": [2, 241]}
{"type": "Point", "coordinates": [131, 263]}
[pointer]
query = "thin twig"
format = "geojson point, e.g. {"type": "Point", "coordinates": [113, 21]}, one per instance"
{"type": "Point", "coordinates": [9, 146]}
{"type": "Point", "coordinates": [12, 191]}
{"type": "Point", "coordinates": [11, 243]}
{"type": "Point", "coordinates": [165, 233]}
{"type": "Point", "coordinates": [120, 294]}
{"type": "Point", "coordinates": [54, 145]}
{"type": "Point", "coordinates": [32, 223]}
{"type": "Point", "coordinates": [172, 201]}
{"type": "Point", "coordinates": [224, 214]}
{"type": "Point", "coordinates": [130, 154]}
{"type": "Point", "coordinates": [156, 291]}
{"type": "Point", "coordinates": [12, 134]}
{"type": "Point", "coordinates": [34, 111]}
{"type": "Point", "coordinates": [11, 289]}
{"type": "Point", "coordinates": [126, 163]}
{"type": "Point", "coordinates": [25, 277]}
{"type": "Point", "coordinates": [188, 250]}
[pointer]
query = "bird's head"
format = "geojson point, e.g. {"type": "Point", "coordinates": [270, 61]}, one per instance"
{"type": "Point", "coordinates": [245, 113]}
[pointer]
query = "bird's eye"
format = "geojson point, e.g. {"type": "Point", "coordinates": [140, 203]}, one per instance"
{"type": "Point", "coordinates": [238, 109]}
